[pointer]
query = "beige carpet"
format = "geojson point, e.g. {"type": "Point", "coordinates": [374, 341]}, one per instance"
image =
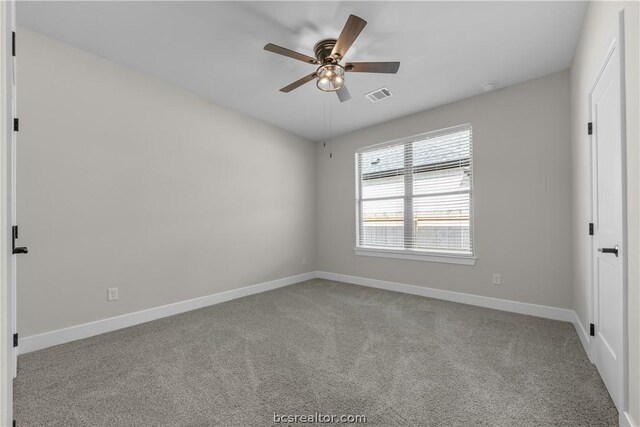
{"type": "Point", "coordinates": [325, 347]}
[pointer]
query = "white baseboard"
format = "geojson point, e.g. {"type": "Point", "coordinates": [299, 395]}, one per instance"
{"type": "Point", "coordinates": [625, 420]}
{"type": "Point", "coordinates": [85, 330]}
{"type": "Point", "coordinates": [582, 334]}
{"type": "Point", "coordinates": [544, 311]}
{"type": "Point", "coordinates": [72, 333]}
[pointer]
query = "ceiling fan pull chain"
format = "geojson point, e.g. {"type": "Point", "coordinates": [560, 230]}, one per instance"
{"type": "Point", "coordinates": [330, 130]}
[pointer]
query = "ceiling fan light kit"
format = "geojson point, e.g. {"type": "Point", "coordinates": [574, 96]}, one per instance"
{"type": "Point", "coordinates": [330, 75]}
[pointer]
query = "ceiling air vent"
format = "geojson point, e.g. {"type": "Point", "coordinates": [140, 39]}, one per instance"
{"type": "Point", "coordinates": [378, 94]}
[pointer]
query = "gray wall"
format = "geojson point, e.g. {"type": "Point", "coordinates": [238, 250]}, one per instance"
{"type": "Point", "coordinates": [522, 192]}
{"type": "Point", "coordinates": [125, 181]}
{"type": "Point", "coordinates": [600, 21]}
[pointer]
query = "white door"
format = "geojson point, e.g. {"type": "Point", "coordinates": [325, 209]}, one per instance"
{"type": "Point", "coordinates": [8, 167]}
{"type": "Point", "coordinates": [608, 214]}
{"type": "Point", "coordinates": [7, 213]}
{"type": "Point", "coordinates": [11, 181]}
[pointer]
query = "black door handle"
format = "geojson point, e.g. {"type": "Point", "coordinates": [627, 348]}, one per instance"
{"type": "Point", "coordinates": [613, 250]}
{"type": "Point", "coordinates": [14, 236]}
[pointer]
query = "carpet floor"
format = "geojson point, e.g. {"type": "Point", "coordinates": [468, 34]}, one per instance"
{"type": "Point", "coordinates": [319, 347]}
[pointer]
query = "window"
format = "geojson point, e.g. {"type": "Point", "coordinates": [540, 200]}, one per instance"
{"type": "Point", "coordinates": [414, 197]}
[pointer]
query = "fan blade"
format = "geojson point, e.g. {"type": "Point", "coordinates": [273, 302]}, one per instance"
{"type": "Point", "coordinates": [298, 83]}
{"type": "Point", "coordinates": [343, 94]}
{"type": "Point", "coordinates": [349, 33]}
{"type": "Point", "coordinates": [290, 53]}
{"type": "Point", "coordinates": [372, 67]}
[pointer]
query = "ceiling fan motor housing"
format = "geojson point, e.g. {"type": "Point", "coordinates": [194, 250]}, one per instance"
{"type": "Point", "coordinates": [323, 51]}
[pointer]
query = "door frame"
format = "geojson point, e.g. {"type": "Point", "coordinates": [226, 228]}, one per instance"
{"type": "Point", "coordinates": [616, 37]}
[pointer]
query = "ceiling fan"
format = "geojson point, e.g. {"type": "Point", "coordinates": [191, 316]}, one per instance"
{"type": "Point", "coordinates": [329, 52]}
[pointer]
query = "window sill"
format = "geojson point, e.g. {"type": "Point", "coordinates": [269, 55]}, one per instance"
{"type": "Point", "coordinates": [417, 256]}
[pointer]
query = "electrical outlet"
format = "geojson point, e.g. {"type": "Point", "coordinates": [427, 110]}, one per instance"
{"type": "Point", "coordinates": [112, 294]}
{"type": "Point", "coordinates": [304, 261]}
{"type": "Point", "coordinates": [496, 279]}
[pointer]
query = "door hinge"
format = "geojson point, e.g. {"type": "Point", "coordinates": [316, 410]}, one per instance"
{"type": "Point", "coordinates": [14, 237]}
{"type": "Point", "coordinates": [16, 124]}
{"type": "Point", "coordinates": [589, 128]}
{"type": "Point", "coordinates": [15, 339]}
{"type": "Point", "coordinates": [590, 229]}
{"type": "Point", "coordinates": [592, 329]}
{"type": "Point", "coordinates": [13, 43]}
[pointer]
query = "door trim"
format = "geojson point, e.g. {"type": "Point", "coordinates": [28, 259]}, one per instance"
{"type": "Point", "coordinates": [617, 42]}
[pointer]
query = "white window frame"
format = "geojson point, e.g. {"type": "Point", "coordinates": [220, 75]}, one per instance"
{"type": "Point", "coordinates": [413, 254]}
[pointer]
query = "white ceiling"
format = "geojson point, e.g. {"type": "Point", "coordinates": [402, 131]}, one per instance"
{"type": "Point", "coordinates": [448, 50]}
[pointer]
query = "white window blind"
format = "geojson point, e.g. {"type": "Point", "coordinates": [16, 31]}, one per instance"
{"type": "Point", "coordinates": [416, 194]}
